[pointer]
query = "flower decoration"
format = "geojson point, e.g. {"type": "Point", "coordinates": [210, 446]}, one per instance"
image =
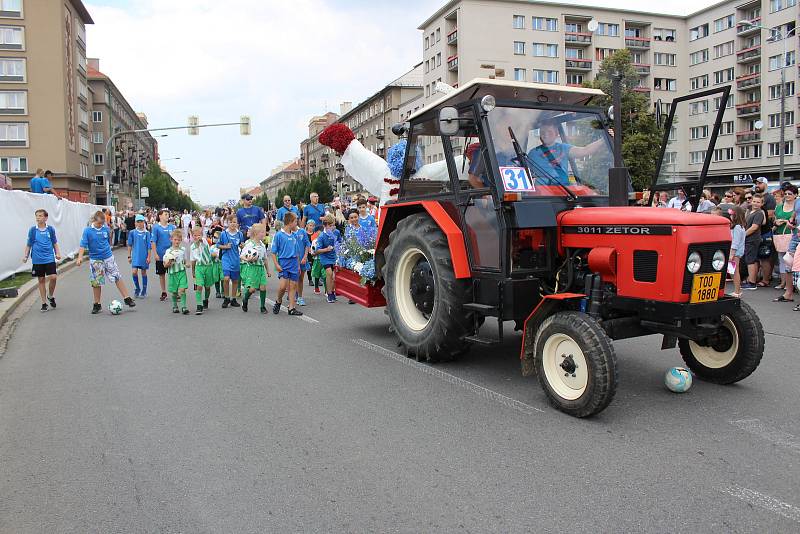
{"type": "Point", "coordinates": [395, 158]}
{"type": "Point", "coordinates": [356, 252]}
{"type": "Point", "coordinates": [337, 136]}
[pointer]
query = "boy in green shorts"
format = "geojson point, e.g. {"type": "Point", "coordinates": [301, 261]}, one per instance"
{"type": "Point", "coordinates": [254, 267]}
{"type": "Point", "coordinates": [175, 264]}
{"type": "Point", "coordinates": [216, 264]}
{"type": "Point", "coordinates": [202, 269]}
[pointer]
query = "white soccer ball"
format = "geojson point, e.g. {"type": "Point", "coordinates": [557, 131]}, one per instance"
{"type": "Point", "coordinates": [115, 307]}
{"type": "Point", "coordinates": [678, 380]}
{"type": "Point", "coordinates": [214, 250]}
{"type": "Point", "coordinates": [250, 254]}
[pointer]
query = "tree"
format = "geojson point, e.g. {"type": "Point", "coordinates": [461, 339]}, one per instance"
{"type": "Point", "coordinates": [163, 192]}
{"type": "Point", "coordinates": [641, 135]}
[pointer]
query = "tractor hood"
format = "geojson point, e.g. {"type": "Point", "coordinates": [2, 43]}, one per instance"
{"type": "Point", "coordinates": [637, 217]}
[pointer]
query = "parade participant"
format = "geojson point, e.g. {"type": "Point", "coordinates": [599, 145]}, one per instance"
{"type": "Point", "coordinates": [186, 221]}
{"type": "Point", "coordinates": [326, 252]}
{"type": "Point", "coordinates": [254, 267]}
{"type": "Point", "coordinates": [162, 239]}
{"type": "Point", "coordinates": [783, 229]}
{"type": "Point", "coordinates": [229, 245]}
{"type": "Point", "coordinates": [287, 208]}
{"type": "Point", "coordinates": [42, 248]}
{"type": "Point", "coordinates": [287, 264]}
{"type": "Point", "coordinates": [551, 157]}
{"type": "Point", "coordinates": [303, 248]}
{"type": "Point", "coordinates": [249, 215]}
{"type": "Point", "coordinates": [175, 262]}
{"type": "Point", "coordinates": [140, 244]}
{"type": "Point", "coordinates": [96, 239]}
{"type": "Point", "coordinates": [365, 219]}
{"type": "Point", "coordinates": [372, 206]}
{"type": "Point", "coordinates": [737, 247]}
{"type": "Point", "coordinates": [216, 264]}
{"type": "Point", "coordinates": [311, 234]}
{"type": "Point", "coordinates": [753, 221]}
{"type": "Point", "coordinates": [313, 212]}
{"type": "Point", "coordinates": [202, 269]}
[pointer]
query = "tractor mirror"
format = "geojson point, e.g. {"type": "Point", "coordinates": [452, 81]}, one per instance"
{"type": "Point", "coordinates": [449, 121]}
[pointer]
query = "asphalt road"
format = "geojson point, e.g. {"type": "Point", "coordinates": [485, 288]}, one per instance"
{"type": "Point", "coordinates": [233, 422]}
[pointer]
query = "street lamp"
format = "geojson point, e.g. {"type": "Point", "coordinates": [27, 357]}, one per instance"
{"type": "Point", "coordinates": [778, 35]}
{"type": "Point", "coordinates": [168, 159]}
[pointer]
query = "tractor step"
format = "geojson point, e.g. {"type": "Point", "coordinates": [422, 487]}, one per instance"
{"type": "Point", "coordinates": [485, 341]}
{"type": "Point", "coordinates": [483, 309]}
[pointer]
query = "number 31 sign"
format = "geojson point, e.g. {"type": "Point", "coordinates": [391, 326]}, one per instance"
{"type": "Point", "coordinates": [516, 179]}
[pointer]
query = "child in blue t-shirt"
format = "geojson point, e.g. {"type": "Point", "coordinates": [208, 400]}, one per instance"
{"type": "Point", "coordinates": [364, 218]}
{"type": "Point", "coordinates": [161, 241]}
{"type": "Point", "coordinates": [139, 246]}
{"type": "Point", "coordinates": [326, 252]}
{"type": "Point", "coordinates": [303, 247]}
{"type": "Point", "coordinates": [287, 263]}
{"type": "Point", "coordinates": [42, 248]}
{"type": "Point", "coordinates": [229, 245]}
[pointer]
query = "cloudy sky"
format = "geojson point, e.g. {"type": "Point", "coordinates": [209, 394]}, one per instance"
{"type": "Point", "coordinates": [279, 61]}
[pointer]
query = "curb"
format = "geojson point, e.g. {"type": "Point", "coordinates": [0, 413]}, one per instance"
{"type": "Point", "coordinates": [28, 288]}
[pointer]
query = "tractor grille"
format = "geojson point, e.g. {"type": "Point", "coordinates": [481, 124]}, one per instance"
{"type": "Point", "coordinates": [706, 251]}
{"type": "Point", "coordinates": [645, 265]}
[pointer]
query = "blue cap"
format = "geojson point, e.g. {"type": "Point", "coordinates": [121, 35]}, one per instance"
{"type": "Point", "coordinates": [140, 218]}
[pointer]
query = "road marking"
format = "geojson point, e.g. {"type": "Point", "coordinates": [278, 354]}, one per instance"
{"type": "Point", "coordinates": [450, 379]}
{"type": "Point", "coordinates": [773, 435]}
{"type": "Point", "coordinates": [303, 317]}
{"type": "Point", "coordinates": [763, 501]}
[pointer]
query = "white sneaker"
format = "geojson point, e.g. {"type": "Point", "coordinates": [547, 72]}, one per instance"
{"type": "Point", "coordinates": [301, 301]}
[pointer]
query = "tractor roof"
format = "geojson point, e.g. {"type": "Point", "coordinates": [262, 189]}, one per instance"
{"type": "Point", "coordinates": [512, 90]}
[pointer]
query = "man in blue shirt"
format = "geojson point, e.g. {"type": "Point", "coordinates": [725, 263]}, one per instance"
{"type": "Point", "coordinates": [139, 247]}
{"type": "Point", "coordinates": [286, 208]}
{"type": "Point", "coordinates": [161, 239]}
{"type": "Point", "coordinates": [551, 158]}
{"type": "Point", "coordinates": [96, 239]}
{"type": "Point", "coordinates": [43, 250]}
{"type": "Point", "coordinates": [249, 215]}
{"type": "Point", "coordinates": [42, 185]}
{"type": "Point", "coordinates": [313, 212]}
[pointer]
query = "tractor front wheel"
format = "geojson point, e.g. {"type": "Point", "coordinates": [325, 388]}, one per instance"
{"type": "Point", "coordinates": [734, 355]}
{"type": "Point", "coordinates": [576, 363]}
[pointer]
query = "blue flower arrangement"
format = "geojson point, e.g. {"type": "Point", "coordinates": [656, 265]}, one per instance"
{"type": "Point", "coordinates": [356, 252]}
{"type": "Point", "coordinates": [395, 157]}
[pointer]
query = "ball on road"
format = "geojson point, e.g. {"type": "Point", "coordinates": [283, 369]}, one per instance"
{"type": "Point", "coordinates": [678, 380]}
{"type": "Point", "coordinates": [115, 307]}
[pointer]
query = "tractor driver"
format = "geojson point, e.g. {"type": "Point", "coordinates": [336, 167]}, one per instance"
{"type": "Point", "coordinates": [552, 158]}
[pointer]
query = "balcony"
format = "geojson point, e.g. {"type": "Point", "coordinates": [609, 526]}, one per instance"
{"type": "Point", "coordinates": [578, 38]}
{"type": "Point", "coordinates": [748, 109]}
{"type": "Point", "coordinates": [313, 164]}
{"type": "Point", "coordinates": [324, 158]}
{"type": "Point", "coordinates": [748, 29]}
{"type": "Point", "coordinates": [748, 81]}
{"type": "Point", "coordinates": [642, 89]}
{"type": "Point", "coordinates": [749, 55]}
{"type": "Point", "coordinates": [750, 136]}
{"type": "Point", "coordinates": [379, 134]}
{"type": "Point", "coordinates": [452, 37]}
{"type": "Point", "coordinates": [637, 42]}
{"type": "Point", "coordinates": [574, 63]}
{"type": "Point", "coordinates": [452, 63]}
{"type": "Point", "coordinates": [641, 69]}
{"type": "Point", "coordinates": [339, 167]}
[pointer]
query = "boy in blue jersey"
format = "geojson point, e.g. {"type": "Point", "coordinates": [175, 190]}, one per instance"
{"type": "Point", "coordinates": [139, 247]}
{"type": "Point", "coordinates": [326, 252]}
{"type": "Point", "coordinates": [161, 239]}
{"type": "Point", "coordinates": [364, 218]}
{"type": "Point", "coordinates": [230, 241]}
{"type": "Point", "coordinates": [287, 263]}
{"type": "Point", "coordinates": [43, 250]}
{"type": "Point", "coordinates": [96, 239]}
{"type": "Point", "coordinates": [303, 248]}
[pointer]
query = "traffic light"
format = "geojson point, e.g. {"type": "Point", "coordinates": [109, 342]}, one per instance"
{"type": "Point", "coordinates": [244, 125]}
{"type": "Point", "coordinates": [194, 121]}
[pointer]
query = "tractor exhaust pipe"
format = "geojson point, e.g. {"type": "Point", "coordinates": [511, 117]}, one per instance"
{"type": "Point", "coordinates": [618, 174]}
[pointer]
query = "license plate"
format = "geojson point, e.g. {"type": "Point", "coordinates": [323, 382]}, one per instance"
{"type": "Point", "coordinates": [705, 288]}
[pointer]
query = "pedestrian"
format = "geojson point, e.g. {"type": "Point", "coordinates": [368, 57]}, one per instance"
{"type": "Point", "coordinates": [706, 204]}
{"type": "Point", "coordinates": [326, 252]}
{"type": "Point", "coordinates": [40, 183]}
{"type": "Point", "coordinates": [314, 212]}
{"type": "Point", "coordinates": [753, 221]}
{"type": "Point", "coordinates": [679, 202]}
{"type": "Point", "coordinates": [249, 215]}
{"type": "Point", "coordinates": [255, 267]}
{"type": "Point", "coordinates": [372, 207]}
{"type": "Point", "coordinates": [216, 264]}
{"type": "Point", "coordinates": [287, 263]}
{"type": "Point", "coordinates": [115, 227]}
{"type": "Point", "coordinates": [303, 247]}
{"type": "Point", "coordinates": [782, 230]}
{"type": "Point", "coordinates": [162, 239]}
{"type": "Point", "coordinates": [96, 239]}
{"type": "Point", "coordinates": [140, 244]}
{"type": "Point", "coordinates": [202, 269]}
{"type": "Point", "coordinates": [311, 235]}
{"type": "Point", "coordinates": [175, 263]}
{"type": "Point", "coordinates": [737, 216]}
{"type": "Point", "coordinates": [287, 208]}
{"type": "Point", "coordinates": [42, 248]}
{"type": "Point", "coordinates": [229, 245]}
{"type": "Point", "coordinates": [365, 219]}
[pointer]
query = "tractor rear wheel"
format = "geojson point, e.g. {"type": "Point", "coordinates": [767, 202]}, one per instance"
{"type": "Point", "coordinates": [423, 297]}
{"type": "Point", "coordinates": [576, 363]}
{"type": "Point", "coordinates": [732, 357]}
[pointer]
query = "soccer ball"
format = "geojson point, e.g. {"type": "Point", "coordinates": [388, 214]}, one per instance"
{"type": "Point", "coordinates": [250, 254]}
{"type": "Point", "coordinates": [214, 250]}
{"type": "Point", "coordinates": [678, 380]}
{"type": "Point", "coordinates": [115, 307]}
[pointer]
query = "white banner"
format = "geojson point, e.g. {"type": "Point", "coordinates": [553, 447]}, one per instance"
{"type": "Point", "coordinates": [17, 213]}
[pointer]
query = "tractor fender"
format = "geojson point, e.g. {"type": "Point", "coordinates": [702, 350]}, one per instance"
{"type": "Point", "coordinates": [546, 307]}
{"type": "Point", "coordinates": [391, 214]}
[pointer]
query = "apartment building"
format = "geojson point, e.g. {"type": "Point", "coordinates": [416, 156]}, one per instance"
{"type": "Point", "coordinates": [314, 156]}
{"type": "Point", "coordinates": [548, 42]}
{"type": "Point", "coordinates": [44, 98]}
{"type": "Point", "coordinates": [132, 153]}
{"type": "Point", "coordinates": [280, 177]}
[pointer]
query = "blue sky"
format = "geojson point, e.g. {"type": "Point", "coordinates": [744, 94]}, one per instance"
{"type": "Point", "coordinates": [279, 61]}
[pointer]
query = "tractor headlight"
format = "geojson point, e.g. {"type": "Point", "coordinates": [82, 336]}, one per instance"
{"type": "Point", "coordinates": [694, 262]}
{"type": "Point", "coordinates": [488, 103]}
{"type": "Point", "coordinates": [719, 260]}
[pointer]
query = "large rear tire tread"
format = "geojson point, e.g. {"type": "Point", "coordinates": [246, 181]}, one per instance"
{"type": "Point", "coordinates": [748, 357]}
{"type": "Point", "coordinates": [443, 339]}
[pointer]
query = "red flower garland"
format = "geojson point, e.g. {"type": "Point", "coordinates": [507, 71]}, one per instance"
{"type": "Point", "coordinates": [337, 136]}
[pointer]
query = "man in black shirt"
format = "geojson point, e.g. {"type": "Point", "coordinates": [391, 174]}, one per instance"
{"type": "Point", "coordinates": [767, 264]}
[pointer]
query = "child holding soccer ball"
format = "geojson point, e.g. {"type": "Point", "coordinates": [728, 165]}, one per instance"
{"type": "Point", "coordinates": [216, 263]}
{"type": "Point", "coordinates": [202, 269]}
{"type": "Point", "coordinates": [287, 263]}
{"type": "Point", "coordinates": [254, 267]}
{"type": "Point", "coordinates": [174, 259]}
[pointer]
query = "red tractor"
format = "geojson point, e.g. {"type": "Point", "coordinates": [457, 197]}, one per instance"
{"type": "Point", "coordinates": [503, 213]}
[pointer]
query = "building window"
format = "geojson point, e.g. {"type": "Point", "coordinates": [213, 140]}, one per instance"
{"type": "Point", "coordinates": [723, 76]}
{"type": "Point", "coordinates": [775, 119]}
{"type": "Point", "coordinates": [776, 62]}
{"type": "Point", "coordinates": [84, 143]}
{"type": "Point", "coordinates": [99, 159]}
{"type": "Point", "coordinates": [84, 170]}
{"type": "Point", "coordinates": [83, 116]}
{"type": "Point", "coordinates": [723, 23]}
{"type": "Point", "coordinates": [660, 58]}
{"type": "Point", "coordinates": [724, 49]}
{"type": "Point", "coordinates": [726, 128]}
{"type": "Point", "coordinates": [701, 56]}
{"type": "Point", "coordinates": [545, 24]}
{"type": "Point", "coordinates": [698, 132]}
{"type": "Point", "coordinates": [439, 59]}
{"type": "Point", "coordinates": [778, 5]}
{"type": "Point", "coordinates": [12, 70]}
{"type": "Point", "coordinates": [696, 108]}
{"type": "Point", "coordinates": [519, 48]}
{"type": "Point", "coordinates": [749, 151]}
{"type": "Point", "coordinates": [13, 102]}
{"type": "Point", "coordinates": [718, 101]}
{"type": "Point", "coordinates": [544, 50]}
{"type": "Point", "coordinates": [520, 75]}
{"type": "Point", "coordinates": [80, 32]}
{"type": "Point", "coordinates": [773, 149]}
{"type": "Point", "coordinates": [427, 66]}
{"type": "Point", "coordinates": [697, 156]}
{"type": "Point", "coordinates": [575, 53]}
{"type": "Point", "coordinates": [670, 158]}
{"type": "Point", "coordinates": [438, 34]}
{"type": "Point", "coordinates": [545, 76]}
{"type": "Point", "coordinates": [723, 154]}
{"type": "Point", "coordinates": [97, 116]}
{"type": "Point", "coordinates": [14, 134]}
{"type": "Point", "coordinates": [665, 84]}
{"type": "Point", "coordinates": [13, 164]}
{"type": "Point", "coordinates": [83, 91]}
{"type": "Point", "coordinates": [518, 22]}
{"type": "Point", "coordinates": [602, 53]}
{"type": "Point", "coordinates": [698, 32]}
{"type": "Point", "coordinates": [664, 34]}
{"type": "Point", "coordinates": [698, 82]}
{"type": "Point", "coordinates": [97, 138]}
{"type": "Point", "coordinates": [604, 28]}
{"type": "Point", "coordinates": [11, 8]}
{"type": "Point", "coordinates": [775, 90]}
{"type": "Point", "coordinates": [427, 42]}
{"type": "Point", "coordinates": [574, 79]}
{"type": "Point", "coordinates": [12, 38]}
